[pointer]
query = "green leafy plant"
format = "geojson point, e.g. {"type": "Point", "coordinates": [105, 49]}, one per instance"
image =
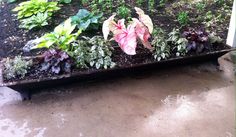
{"type": "Point", "coordinates": [179, 44]}
{"type": "Point", "coordinates": [93, 52]}
{"type": "Point", "coordinates": [85, 19]}
{"type": "Point", "coordinates": [84, 2]}
{"type": "Point", "coordinates": [94, 6]}
{"type": "Point", "coordinates": [38, 20]}
{"type": "Point", "coordinates": [210, 19]}
{"type": "Point", "coordinates": [161, 48]}
{"type": "Point", "coordinates": [60, 38]}
{"type": "Point", "coordinates": [183, 18]}
{"type": "Point", "coordinates": [219, 2]}
{"type": "Point", "coordinates": [162, 3]}
{"type": "Point", "coordinates": [213, 38]}
{"type": "Point", "coordinates": [17, 67]}
{"type": "Point", "coordinates": [29, 11]}
{"type": "Point", "coordinates": [33, 7]}
{"type": "Point", "coordinates": [209, 16]}
{"type": "Point", "coordinates": [151, 5]}
{"type": "Point", "coordinates": [139, 2]}
{"type": "Point", "coordinates": [123, 11]}
{"type": "Point", "coordinates": [106, 5]}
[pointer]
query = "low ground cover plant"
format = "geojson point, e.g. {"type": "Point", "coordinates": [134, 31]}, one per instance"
{"type": "Point", "coordinates": [16, 67]}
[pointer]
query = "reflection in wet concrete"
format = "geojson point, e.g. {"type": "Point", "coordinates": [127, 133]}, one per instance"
{"type": "Point", "coordinates": [180, 113]}
{"type": "Point", "coordinates": [190, 101]}
{"type": "Point", "coordinates": [9, 128]}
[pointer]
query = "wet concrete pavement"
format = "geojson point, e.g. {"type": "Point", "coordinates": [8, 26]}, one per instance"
{"type": "Point", "coordinates": [189, 101]}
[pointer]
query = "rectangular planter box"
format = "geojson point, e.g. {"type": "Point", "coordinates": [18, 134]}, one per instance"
{"type": "Point", "coordinates": [30, 85]}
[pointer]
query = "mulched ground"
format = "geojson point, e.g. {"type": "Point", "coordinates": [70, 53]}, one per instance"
{"type": "Point", "coordinates": [12, 38]}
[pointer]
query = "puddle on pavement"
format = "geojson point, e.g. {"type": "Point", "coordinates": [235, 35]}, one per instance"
{"type": "Point", "coordinates": [180, 111]}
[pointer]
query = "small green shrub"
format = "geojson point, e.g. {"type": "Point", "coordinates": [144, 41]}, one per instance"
{"type": "Point", "coordinates": [106, 5]}
{"type": "Point", "coordinates": [183, 18]}
{"type": "Point", "coordinates": [139, 2]}
{"type": "Point", "coordinates": [213, 38]}
{"type": "Point", "coordinates": [151, 5]}
{"type": "Point", "coordinates": [84, 2]}
{"type": "Point", "coordinates": [17, 67]}
{"type": "Point", "coordinates": [179, 44]}
{"type": "Point", "coordinates": [162, 3]}
{"type": "Point", "coordinates": [209, 16]}
{"type": "Point", "coordinates": [200, 6]}
{"type": "Point", "coordinates": [219, 2]}
{"type": "Point", "coordinates": [123, 11]}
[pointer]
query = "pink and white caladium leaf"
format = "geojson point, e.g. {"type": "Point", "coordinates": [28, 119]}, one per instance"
{"type": "Point", "coordinates": [127, 40]}
{"type": "Point", "coordinates": [107, 26]}
{"type": "Point", "coordinates": [142, 33]}
{"type": "Point", "coordinates": [145, 19]}
{"type": "Point", "coordinates": [118, 27]}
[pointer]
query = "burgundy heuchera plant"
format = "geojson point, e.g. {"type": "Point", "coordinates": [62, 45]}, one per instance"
{"type": "Point", "coordinates": [127, 37]}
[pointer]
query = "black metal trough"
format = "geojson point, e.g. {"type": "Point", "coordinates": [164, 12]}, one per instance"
{"type": "Point", "coordinates": [26, 87]}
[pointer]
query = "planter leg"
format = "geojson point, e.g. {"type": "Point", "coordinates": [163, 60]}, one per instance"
{"type": "Point", "coordinates": [25, 94]}
{"type": "Point", "coordinates": [216, 63]}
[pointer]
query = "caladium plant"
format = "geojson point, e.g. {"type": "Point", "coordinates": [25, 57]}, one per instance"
{"type": "Point", "coordinates": [126, 36]}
